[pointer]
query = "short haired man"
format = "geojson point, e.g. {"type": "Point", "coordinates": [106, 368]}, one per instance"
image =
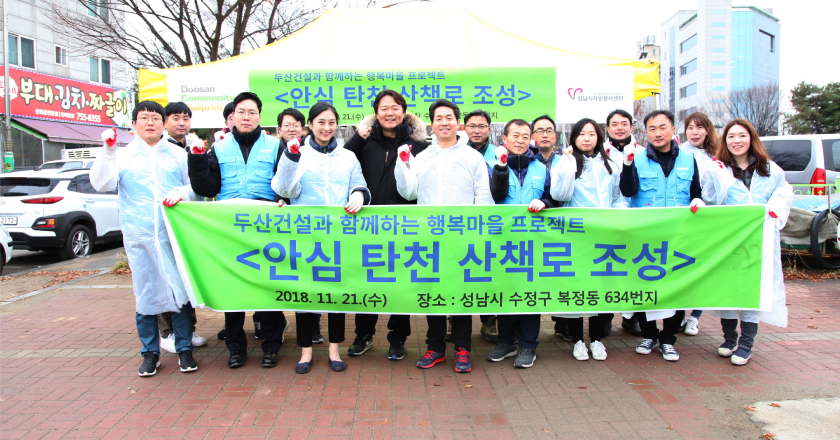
{"type": "Point", "coordinates": [619, 135]}
{"type": "Point", "coordinates": [670, 178]}
{"type": "Point", "coordinates": [449, 172]}
{"type": "Point", "coordinates": [477, 127]}
{"type": "Point", "coordinates": [519, 178]}
{"type": "Point", "coordinates": [291, 124]}
{"type": "Point", "coordinates": [375, 145]}
{"type": "Point", "coordinates": [158, 287]}
{"type": "Point", "coordinates": [241, 167]}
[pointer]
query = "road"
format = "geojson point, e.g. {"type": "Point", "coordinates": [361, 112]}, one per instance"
{"type": "Point", "coordinates": [23, 260]}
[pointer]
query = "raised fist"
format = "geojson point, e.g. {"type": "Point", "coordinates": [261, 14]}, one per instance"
{"type": "Point", "coordinates": [502, 155]}
{"type": "Point", "coordinates": [293, 146]}
{"type": "Point", "coordinates": [109, 137]}
{"type": "Point", "coordinates": [404, 152]}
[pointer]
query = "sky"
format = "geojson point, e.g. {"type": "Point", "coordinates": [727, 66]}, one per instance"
{"type": "Point", "coordinates": [808, 40]}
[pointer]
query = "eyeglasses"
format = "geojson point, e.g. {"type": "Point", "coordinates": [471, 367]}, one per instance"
{"type": "Point", "coordinates": [251, 113]}
{"type": "Point", "coordinates": [287, 126]}
{"type": "Point", "coordinates": [145, 120]}
{"type": "Point", "coordinates": [480, 127]}
{"type": "Point", "coordinates": [542, 131]}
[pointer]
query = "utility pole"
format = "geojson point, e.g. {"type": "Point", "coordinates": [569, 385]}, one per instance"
{"type": "Point", "coordinates": [8, 155]}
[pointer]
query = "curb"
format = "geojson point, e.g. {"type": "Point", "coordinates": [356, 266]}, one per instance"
{"type": "Point", "coordinates": [57, 286]}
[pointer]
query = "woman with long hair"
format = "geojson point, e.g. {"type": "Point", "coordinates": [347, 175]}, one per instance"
{"type": "Point", "coordinates": [703, 143]}
{"type": "Point", "coordinates": [321, 173]}
{"type": "Point", "coordinates": [757, 180]}
{"type": "Point", "coordinates": [587, 177]}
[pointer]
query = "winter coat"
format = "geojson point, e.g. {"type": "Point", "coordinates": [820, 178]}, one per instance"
{"type": "Point", "coordinates": [377, 156]}
{"type": "Point", "coordinates": [319, 176]}
{"type": "Point", "coordinates": [595, 188]}
{"type": "Point", "coordinates": [144, 175]}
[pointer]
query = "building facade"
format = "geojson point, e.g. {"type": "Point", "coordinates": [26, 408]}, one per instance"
{"type": "Point", "coordinates": [713, 50]}
{"type": "Point", "coordinates": [59, 99]}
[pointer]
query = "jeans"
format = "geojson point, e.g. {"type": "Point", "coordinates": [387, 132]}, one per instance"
{"type": "Point", "coordinates": [461, 332]}
{"type": "Point", "coordinates": [399, 326]}
{"type": "Point", "coordinates": [165, 323]}
{"type": "Point", "coordinates": [670, 327]}
{"type": "Point", "coordinates": [507, 329]}
{"type": "Point", "coordinates": [696, 313]}
{"type": "Point", "coordinates": [147, 330]}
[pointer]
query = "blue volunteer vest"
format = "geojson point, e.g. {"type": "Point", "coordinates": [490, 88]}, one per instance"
{"type": "Point", "coordinates": [251, 180]}
{"type": "Point", "coordinates": [532, 186]}
{"type": "Point", "coordinates": [490, 154]}
{"type": "Point", "coordinates": [655, 190]}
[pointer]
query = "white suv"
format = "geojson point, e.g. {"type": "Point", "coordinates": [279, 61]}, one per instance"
{"type": "Point", "coordinates": [57, 210]}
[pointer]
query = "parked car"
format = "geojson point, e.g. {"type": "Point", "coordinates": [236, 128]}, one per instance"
{"type": "Point", "coordinates": [5, 248]}
{"type": "Point", "coordinates": [58, 210]}
{"type": "Point", "coordinates": [808, 159]}
{"type": "Point", "coordinates": [67, 164]}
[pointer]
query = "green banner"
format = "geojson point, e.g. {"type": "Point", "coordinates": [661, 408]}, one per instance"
{"type": "Point", "coordinates": [505, 92]}
{"type": "Point", "coordinates": [468, 259]}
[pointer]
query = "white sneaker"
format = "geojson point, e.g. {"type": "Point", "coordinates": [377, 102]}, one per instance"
{"type": "Point", "coordinates": [580, 352]}
{"type": "Point", "coordinates": [599, 352]}
{"type": "Point", "coordinates": [168, 343]}
{"type": "Point", "coordinates": [198, 341]}
{"type": "Point", "coordinates": [692, 326]}
{"type": "Point", "coordinates": [669, 353]}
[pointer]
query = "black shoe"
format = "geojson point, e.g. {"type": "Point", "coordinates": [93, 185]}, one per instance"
{"type": "Point", "coordinates": [396, 352]}
{"type": "Point", "coordinates": [561, 328]}
{"type": "Point", "coordinates": [631, 326]}
{"type": "Point", "coordinates": [269, 359]}
{"type": "Point", "coordinates": [186, 361]}
{"type": "Point", "coordinates": [149, 366]}
{"type": "Point", "coordinates": [257, 330]}
{"type": "Point", "coordinates": [360, 345]}
{"type": "Point", "coordinates": [237, 359]}
{"type": "Point", "coordinates": [222, 335]}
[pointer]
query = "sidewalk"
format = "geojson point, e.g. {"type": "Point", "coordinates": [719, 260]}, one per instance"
{"type": "Point", "coordinates": [69, 359]}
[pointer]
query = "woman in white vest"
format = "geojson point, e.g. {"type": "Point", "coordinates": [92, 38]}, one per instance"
{"type": "Point", "coordinates": [321, 173]}
{"type": "Point", "coordinates": [754, 179]}
{"type": "Point", "coordinates": [587, 177]}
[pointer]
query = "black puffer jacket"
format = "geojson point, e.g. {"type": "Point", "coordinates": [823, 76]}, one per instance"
{"type": "Point", "coordinates": [378, 155]}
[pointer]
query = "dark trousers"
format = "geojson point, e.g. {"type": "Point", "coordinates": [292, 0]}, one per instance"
{"type": "Point", "coordinates": [530, 325]}
{"type": "Point", "coordinates": [165, 323]}
{"type": "Point", "coordinates": [670, 327]}
{"type": "Point", "coordinates": [748, 332]}
{"type": "Point", "coordinates": [596, 327]}
{"type": "Point", "coordinates": [461, 332]}
{"type": "Point", "coordinates": [484, 318]}
{"type": "Point", "coordinates": [272, 325]}
{"type": "Point", "coordinates": [399, 326]}
{"type": "Point", "coordinates": [308, 322]}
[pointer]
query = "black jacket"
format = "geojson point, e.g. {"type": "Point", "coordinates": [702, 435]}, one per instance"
{"type": "Point", "coordinates": [378, 156]}
{"type": "Point", "coordinates": [629, 183]}
{"type": "Point", "coordinates": [203, 169]}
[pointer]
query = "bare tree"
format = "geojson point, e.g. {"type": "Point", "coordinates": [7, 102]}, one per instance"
{"type": "Point", "coordinates": [173, 33]}
{"type": "Point", "coordinates": [640, 109]}
{"type": "Point", "coordinates": [758, 104]}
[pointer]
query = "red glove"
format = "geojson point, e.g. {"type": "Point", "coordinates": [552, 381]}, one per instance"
{"type": "Point", "coordinates": [266, 132]}
{"type": "Point", "coordinates": [109, 136]}
{"type": "Point", "coordinates": [404, 152]}
{"type": "Point", "coordinates": [719, 163]}
{"type": "Point", "coordinates": [502, 154]}
{"type": "Point", "coordinates": [773, 214]}
{"type": "Point", "coordinates": [198, 149]}
{"type": "Point", "coordinates": [293, 146]}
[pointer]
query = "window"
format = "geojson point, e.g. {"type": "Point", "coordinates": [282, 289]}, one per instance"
{"type": "Point", "coordinates": [790, 155]}
{"type": "Point", "coordinates": [689, 43]}
{"type": "Point", "coordinates": [718, 24]}
{"type": "Point", "coordinates": [766, 40]}
{"type": "Point", "coordinates": [21, 51]}
{"type": "Point", "coordinates": [718, 37]}
{"type": "Point", "coordinates": [60, 55]}
{"type": "Point", "coordinates": [718, 63]}
{"type": "Point", "coordinates": [688, 67]}
{"type": "Point", "coordinates": [97, 8]}
{"type": "Point", "coordinates": [831, 149]}
{"type": "Point", "coordinates": [100, 70]}
{"type": "Point", "coordinates": [689, 90]}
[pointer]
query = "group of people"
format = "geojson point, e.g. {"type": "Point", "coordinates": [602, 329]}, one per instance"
{"type": "Point", "coordinates": [389, 162]}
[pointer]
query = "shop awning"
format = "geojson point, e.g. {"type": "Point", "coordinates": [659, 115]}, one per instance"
{"type": "Point", "coordinates": [63, 132]}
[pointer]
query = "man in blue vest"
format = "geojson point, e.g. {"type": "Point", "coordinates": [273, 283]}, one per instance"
{"type": "Point", "coordinates": [660, 176]}
{"type": "Point", "coordinates": [518, 178]}
{"type": "Point", "coordinates": [241, 167]}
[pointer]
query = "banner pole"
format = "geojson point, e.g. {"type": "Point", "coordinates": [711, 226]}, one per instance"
{"type": "Point", "coordinates": [8, 155]}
